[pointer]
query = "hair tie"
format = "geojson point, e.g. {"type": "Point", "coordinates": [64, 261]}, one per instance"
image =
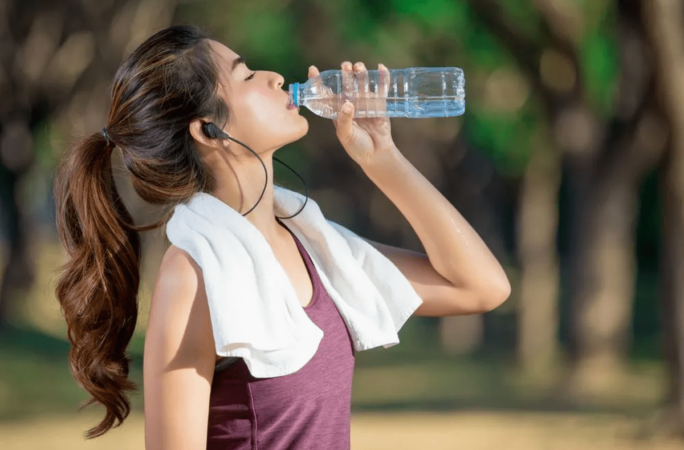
{"type": "Point", "coordinates": [106, 136]}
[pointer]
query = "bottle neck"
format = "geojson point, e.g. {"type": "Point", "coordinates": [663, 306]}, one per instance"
{"type": "Point", "coordinates": [294, 94]}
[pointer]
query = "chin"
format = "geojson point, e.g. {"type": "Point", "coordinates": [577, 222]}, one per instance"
{"type": "Point", "coordinates": [305, 126]}
{"type": "Point", "coordinates": [302, 130]}
{"type": "Point", "coordinates": [295, 136]}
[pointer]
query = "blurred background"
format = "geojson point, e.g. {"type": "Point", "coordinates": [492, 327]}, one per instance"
{"type": "Point", "coordinates": [569, 162]}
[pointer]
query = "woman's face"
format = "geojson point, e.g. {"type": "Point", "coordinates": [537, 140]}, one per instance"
{"type": "Point", "coordinates": [257, 104]}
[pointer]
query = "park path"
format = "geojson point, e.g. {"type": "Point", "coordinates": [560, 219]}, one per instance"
{"type": "Point", "coordinates": [384, 431]}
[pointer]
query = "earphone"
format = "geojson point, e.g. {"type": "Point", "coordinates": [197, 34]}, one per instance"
{"type": "Point", "coordinates": [212, 131]}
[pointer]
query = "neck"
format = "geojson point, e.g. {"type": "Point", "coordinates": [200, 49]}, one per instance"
{"type": "Point", "coordinates": [239, 185]}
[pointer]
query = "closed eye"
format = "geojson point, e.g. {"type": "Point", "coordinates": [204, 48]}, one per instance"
{"type": "Point", "coordinates": [251, 76]}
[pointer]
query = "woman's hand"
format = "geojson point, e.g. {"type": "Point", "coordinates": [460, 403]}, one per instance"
{"type": "Point", "coordinates": [363, 138]}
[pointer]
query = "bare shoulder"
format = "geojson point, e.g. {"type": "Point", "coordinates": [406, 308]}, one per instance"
{"type": "Point", "coordinates": [177, 269]}
{"type": "Point", "coordinates": [179, 282]}
{"type": "Point", "coordinates": [178, 262]}
{"type": "Point", "coordinates": [179, 312]}
{"type": "Point", "coordinates": [179, 356]}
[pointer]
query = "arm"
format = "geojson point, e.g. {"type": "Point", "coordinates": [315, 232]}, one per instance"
{"type": "Point", "coordinates": [179, 357]}
{"type": "Point", "coordinates": [459, 275]}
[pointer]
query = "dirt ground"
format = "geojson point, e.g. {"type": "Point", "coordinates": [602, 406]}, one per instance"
{"type": "Point", "coordinates": [384, 431]}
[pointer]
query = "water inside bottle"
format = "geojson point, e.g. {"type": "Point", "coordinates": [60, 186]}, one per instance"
{"type": "Point", "coordinates": [442, 106]}
{"type": "Point", "coordinates": [413, 93]}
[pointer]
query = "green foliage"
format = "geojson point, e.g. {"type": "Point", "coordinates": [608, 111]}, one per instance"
{"type": "Point", "coordinates": [46, 157]}
{"type": "Point", "coordinates": [523, 15]}
{"type": "Point", "coordinates": [505, 137]}
{"type": "Point", "coordinates": [426, 33]}
{"type": "Point", "coordinates": [361, 24]}
{"type": "Point", "coordinates": [265, 32]}
{"type": "Point", "coordinates": [484, 49]}
{"type": "Point", "coordinates": [433, 15]}
{"type": "Point", "coordinates": [599, 63]}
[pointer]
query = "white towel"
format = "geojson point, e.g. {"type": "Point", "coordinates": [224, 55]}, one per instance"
{"type": "Point", "coordinates": [254, 309]}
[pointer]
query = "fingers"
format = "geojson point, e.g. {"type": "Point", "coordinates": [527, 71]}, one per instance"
{"type": "Point", "coordinates": [313, 71]}
{"type": "Point", "coordinates": [343, 125]}
{"type": "Point", "coordinates": [362, 83]}
{"type": "Point", "coordinates": [383, 86]}
{"type": "Point", "coordinates": [383, 80]}
{"type": "Point", "coordinates": [347, 81]}
{"type": "Point", "coordinates": [361, 77]}
{"type": "Point", "coordinates": [356, 88]}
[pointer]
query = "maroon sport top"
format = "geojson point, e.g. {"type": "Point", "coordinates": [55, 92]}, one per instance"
{"type": "Point", "coordinates": [308, 409]}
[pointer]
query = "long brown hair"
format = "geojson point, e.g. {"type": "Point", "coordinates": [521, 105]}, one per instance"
{"type": "Point", "coordinates": [168, 81]}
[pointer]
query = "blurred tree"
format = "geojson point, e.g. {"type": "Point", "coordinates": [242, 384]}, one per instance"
{"type": "Point", "coordinates": [605, 178]}
{"type": "Point", "coordinates": [538, 198]}
{"type": "Point", "coordinates": [664, 24]}
{"type": "Point", "coordinates": [57, 60]}
{"type": "Point", "coordinates": [605, 155]}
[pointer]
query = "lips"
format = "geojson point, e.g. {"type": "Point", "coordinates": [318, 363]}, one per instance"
{"type": "Point", "coordinates": [288, 104]}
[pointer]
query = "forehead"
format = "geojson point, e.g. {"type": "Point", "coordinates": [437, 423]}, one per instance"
{"type": "Point", "coordinates": [224, 58]}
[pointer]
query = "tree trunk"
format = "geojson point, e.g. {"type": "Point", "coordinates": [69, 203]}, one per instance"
{"type": "Point", "coordinates": [48, 74]}
{"type": "Point", "coordinates": [18, 272]}
{"type": "Point", "coordinates": [461, 335]}
{"type": "Point", "coordinates": [604, 259]}
{"type": "Point", "coordinates": [663, 19]}
{"type": "Point", "coordinates": [672, 190]}
{"type": "Point", "coordinates": [537, 345]}
{"type": "Point", "coordinates": [602, 306]}
{"type": "Point", "coordinates": [602, 263]}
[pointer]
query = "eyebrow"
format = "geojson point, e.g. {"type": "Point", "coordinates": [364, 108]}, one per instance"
{"type": "Point", "coordinates": [237, 61]}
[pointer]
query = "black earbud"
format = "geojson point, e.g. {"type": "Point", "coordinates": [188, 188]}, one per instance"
{"type": "Point", "coordinates": [211, 131]}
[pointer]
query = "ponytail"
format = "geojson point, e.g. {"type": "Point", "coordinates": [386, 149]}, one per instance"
{"type": "Point", "coordinates": [169, 80]}
{"type": "Point", "coordinates": [98, 286]}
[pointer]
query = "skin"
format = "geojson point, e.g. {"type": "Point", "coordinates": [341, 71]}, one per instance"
{"type": "Point", "coordinates": [460, 275]}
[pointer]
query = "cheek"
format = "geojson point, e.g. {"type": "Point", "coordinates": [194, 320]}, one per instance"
{"type": "Point", "coordinates": [261, 107]}
{"type": "Point", "coordinates": [261, 117]}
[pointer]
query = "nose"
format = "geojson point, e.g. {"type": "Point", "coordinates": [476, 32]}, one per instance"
{"type": "Point", "coordinates": [278, 80]}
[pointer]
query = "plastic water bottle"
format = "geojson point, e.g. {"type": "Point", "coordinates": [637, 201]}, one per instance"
{"type": "Point", "coordinates": [415, 92]}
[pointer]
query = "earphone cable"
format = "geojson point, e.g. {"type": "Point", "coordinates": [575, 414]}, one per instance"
{"type": "Point", "coordinates": [306, 187]}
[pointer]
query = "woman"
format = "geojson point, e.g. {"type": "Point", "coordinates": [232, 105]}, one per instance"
{"type": "Point", "coordinates": [183, 106]}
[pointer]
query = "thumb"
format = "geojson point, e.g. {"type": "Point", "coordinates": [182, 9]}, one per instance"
{"type": "Point", "coordinates": [345, 131]}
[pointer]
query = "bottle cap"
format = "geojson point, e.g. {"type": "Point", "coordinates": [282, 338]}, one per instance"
{"type": "Point", "coordinates": [294, 94]}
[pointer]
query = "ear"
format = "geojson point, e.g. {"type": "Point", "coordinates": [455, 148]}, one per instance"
{"type": "Point", "coordinates": [205, 141]}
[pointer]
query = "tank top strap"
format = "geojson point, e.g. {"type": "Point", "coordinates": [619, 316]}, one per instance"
{"type": "Point", "coordinates": [317, 283]}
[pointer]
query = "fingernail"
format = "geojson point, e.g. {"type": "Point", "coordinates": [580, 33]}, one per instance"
{"type": "Point", "coordinates": [347, 107]}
